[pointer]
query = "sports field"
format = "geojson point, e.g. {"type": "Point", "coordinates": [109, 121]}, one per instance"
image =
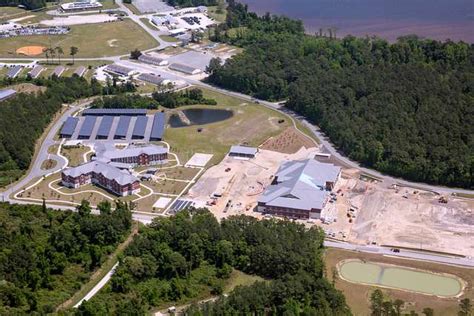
{"type": "Point", "coordinates": [93, 40]}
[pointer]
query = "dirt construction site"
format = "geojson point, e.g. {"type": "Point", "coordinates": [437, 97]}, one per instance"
{"type": "Point", "coordinates": [237, 183]}
{"type": "Point", "coordinates": [370, 212]}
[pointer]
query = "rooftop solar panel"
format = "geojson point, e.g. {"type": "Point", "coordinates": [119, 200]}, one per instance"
{"type": "Point", "coordinates": [69, 127]}
{"type": "Point", "coordinates": [114, 112]}
{"type": "Point", "coordinates": [104, 127]}
{"type": "Point", "coordinates": [140, 127]}
{"type": "Point", "coordinates": [87, 127]}
{"type": "Point", "coordinates": [122, 128]}
{"type": "Point", "coordinates": [158, 128]}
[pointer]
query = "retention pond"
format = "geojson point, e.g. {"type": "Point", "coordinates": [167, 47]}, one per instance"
{"type": "Point", "coordinates": [192, 117]}
{"type": "Point", "coordinates": [401, 278]}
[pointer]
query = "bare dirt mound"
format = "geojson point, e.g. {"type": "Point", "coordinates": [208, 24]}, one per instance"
{"type": "Point", "coordinates": [30, 50]}
{"type": "Point", "coordinates": [288, 142]}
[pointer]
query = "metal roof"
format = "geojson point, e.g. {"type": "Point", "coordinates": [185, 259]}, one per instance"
{"type": "Point", "coordinates": [152, 60]}
{"type": "Point", "coordinates": [14, 71]}
{"type": "Point", "coordinates": [58, 71]}
{"type": "Point", "coordinates": [140, 126]}
{"type": "Point", "coordinates": [87, 126]}
{"type": "Point", "coordinates": [243, 150]}
{"type": "Point", "coordinates": [80, 71]}
{"type": "Point", "coordinates": [6, 93]}
{"type": "Point", "coordinates": [301, 185]}
{"type": "Point", "coordinates": [122, 127]}
{"type": "Point", "coordinates": [114, 112]}
{"type": "Point", "coordinates": [121, 70]}
{"type": "Point", "coordinates": [108, 171]}
{"type": "Point", "coordinates": [105, 125]}
{"type": "Point", "coordinates": [158, 127]}
{"type": "Point", "coordinates": [113, 153]}
{"type": "Point", "coordinates": [35, 71]}
{"type": "Point", "coordinates": [69, 126]}
{"type": "Point", "coordinates": [184, 68]}
{"type": "Point", "coordinates": [151, 78]}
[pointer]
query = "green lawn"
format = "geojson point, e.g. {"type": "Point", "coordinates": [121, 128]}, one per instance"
{"type": "Point", "coordinates": [239, 278]}
{"type": "Point", "coordinates": [93, 40]}
{"type": "Point", "coordinates": [147, 22]}
{"type": "Point", "coordinates": [169, 39]}
{"type": "Point", "coordinates": [251, 124]}
{"type": "Point", "coordinates": [219, 17]}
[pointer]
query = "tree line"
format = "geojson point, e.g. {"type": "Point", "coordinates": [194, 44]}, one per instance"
{"type": "Point", "coordinates": [28, 4]}
{"type": "Point", "coordinates": [191, 3]}
{"type": "Point", "coordinates": [45, 255]}
{"type": "Point", "coordinates": [191, 255]}
{"type": "Point", "coordinates": [24, 117]}
{"type": "Point", "coordinates": [404, 108]}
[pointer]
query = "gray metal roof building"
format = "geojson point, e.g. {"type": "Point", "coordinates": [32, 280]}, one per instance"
{"type": "Point", "coordinates": [14, 71]}
{"type": "Point", "coordinates": [109, 172]}
{"type": "Point", "coordinates": [114, 112]}
{"type": "Point", "coordinates": [158, 127]}
{"type": "Point", "coordinates": [87, 127]}
{"type": "Point", "coordinates": [243, 151]}
{"type": "Point", "coordinates": [151, 79]}
{"type": "Point", "coordinates": [69, 127]}
{"type": "Point", "coordinates": [140, 127]}
{"type": "Point", "coordinates": [58, 71]}
{"type": "Point", "coordinates": [185, 69]}
{"type": "Point", "coordinates": [300, 186]}
{"type": "Point", "coordinates": [34, 73]}
{"type": "Point", "coordinates": [6, 93]}
{"type": "Point", "coordinates": [122, 127]}
{"type": "Point", "coordinates": [80, 71]}
{"type": "Point", "coordinates": [152, 60]}
{"type": "Point", "coordinates": [104, 127]}
{"type": "Point", "coordinates": [120, 70]}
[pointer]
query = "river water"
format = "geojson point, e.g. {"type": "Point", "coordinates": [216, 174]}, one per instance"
{"type": "Point", "coordinates": [438, 19]}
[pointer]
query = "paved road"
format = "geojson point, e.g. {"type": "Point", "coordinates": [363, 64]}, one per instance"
{"type": "Point", "coordinates": [407, 254]}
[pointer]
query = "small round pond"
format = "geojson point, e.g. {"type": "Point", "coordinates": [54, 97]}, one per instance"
{"type": "Point", "coordinates": [401, 278]}
{"type": "Point", "coordinates": [192, 117]}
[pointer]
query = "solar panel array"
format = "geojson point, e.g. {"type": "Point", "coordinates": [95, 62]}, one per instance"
{"type": "Point", "coordinates": [104, 127]}
{"type": "Point", "coordinates": [140, 127]}
{"type": "Point", "coordinates": [158, 127]}
{"type": "Point", "coordinates": [87, 127]}
{"type": "Point", "coordinates": [69, 127]}
{"type": "Point", "coordinates": [151, 78]}
{"type": "Point", "coordinates": [122, 127]}
{"type": "Point", "coordinates": [14, 71]}
{"type": "Point", "coordinates": [114, 112]}
{"type": "Point", "coordinates": [180, 205]}
{"type": "Point", "coordinates": [34, 73]}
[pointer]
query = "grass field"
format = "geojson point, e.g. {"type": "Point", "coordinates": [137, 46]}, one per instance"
{"type": "Point", "coordinates": [93, 40]}
{"type": "Point", "coordinates": [75, 155]}
{"type": "Point", "coordinates": [147, 22]}
{"type": "Point", "coordinates": [239, 278]}
{"type": "Point", "coordinates": [357, 295]}
{"type": "Point", "coordinates": [48, 164]}
{"type": "Point", "coordinates": [219, 17]}
{"type": "Point", "coordinates": [251, 124]}
{"type": "Point", "coordinates": [169, 39]}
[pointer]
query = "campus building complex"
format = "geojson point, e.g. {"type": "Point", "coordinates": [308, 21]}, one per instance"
{"type": "Point", "coordinates": [101, 174]}
{"type": "Point", "coordinates": [135, 156]}
{"type": "Point", "coordinates": [300, 189]}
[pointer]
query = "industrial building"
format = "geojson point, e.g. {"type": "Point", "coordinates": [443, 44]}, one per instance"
{"type": "Point", "coordinates": [243, 152]}
{"type": "Point", "coordinates": [300, 189]}
{"type": "Point", "coordinates": [104, 127]}
{"type": "Point", "coordinates": [185, 69]}
{"type": "Point", "coordinates": [69, 127]}
{"type": "Point", "coordinates": [6, 93]}
{"type": "Point", "coordinates": [14, 71]}
{"type": "Point", "coordinates": [158, 128]}
{"type": "Point", "coordinates": [35, 72]}
{"type": "Point", "coordinates": [153, 79]}
{"type": "Point", "coordinates": [144, 58]}
{"type": "Point", "coordinates": [81, 5]}
{"type": "Point", "coordinates": [140, 127]}
{"type": "Point", "coordinates": [119, 70]}
{"type": "Point", "coordinates": [134, 156]}
{"type": "Point", "coordinates": [87, 126]}
{"type": "Point", "coordinates": [58, 71]}
{"type": "Point", "coordinates": [122, 127]}
{"type": "Point", "coordinates": [80, 71]}
{"type": "Point", "coordinates": [101, 174]}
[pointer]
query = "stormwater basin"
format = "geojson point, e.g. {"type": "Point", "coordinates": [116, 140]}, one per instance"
{"type": "Point", "coordinates": [401, 278]}
{"type": "Point", "coordinates": [199, 117]}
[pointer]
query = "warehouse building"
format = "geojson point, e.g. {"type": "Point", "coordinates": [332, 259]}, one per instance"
{"type": "Point", "coordinates": [144, 58]}
{"type": "Point", "coordinates": [154, 79]}
{"type": "Point", "coordinates": [80, 71]}
{"type": "Point", "coordinates": [81, 5]}
{"type": "Point", "coordinates": [14, 71]}
{"type": "Point", "coordinates": [300, 189]}
{"type": "Point", "coordinates": [69, 127]}
{"type": "Point", "coordinates": [185, 69]}
{"type": "Point", "coordinates": [243, 152]}
{"type": "Point", "coordinates": [119, 70]}
{"type": "Point", "coordinates": [113, 179]}
{"type": "Point", "coordinates": [6, 94]}
{"type": "Point", "coordinates": [58, 71]}
{"type": "Point", "coordinates": [35, 72]}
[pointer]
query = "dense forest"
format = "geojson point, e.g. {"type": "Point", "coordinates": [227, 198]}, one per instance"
{"type": "Point", "coordinates": [190, 256]}
{"type": "Point", "coordinates": [405, 108]}
{"type": "Point", "coordinates": [24, 117]}
{"type": "Point", "coordinates": [191, 3]}
{"type": "Point", "coordinates": [45, 255]}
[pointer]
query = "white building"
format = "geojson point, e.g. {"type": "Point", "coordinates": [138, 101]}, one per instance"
{"type": "Point", "coordinates": [81, 5]}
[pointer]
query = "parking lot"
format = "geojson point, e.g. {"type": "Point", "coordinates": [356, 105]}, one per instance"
{"type": "Point", "coordinates": [147, 6]}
